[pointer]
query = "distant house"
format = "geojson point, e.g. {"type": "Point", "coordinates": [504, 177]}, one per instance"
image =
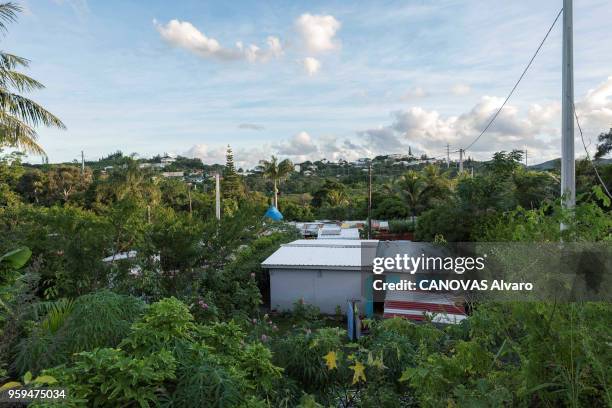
{"type": "Point", "coordinates": [167, 160]}
{"type": "Point", "coordinates": [325, 273]}
{"type": "Point", "coordinates": [172, 174]}
{"type": "Point", "coordinates": [362, 162]}
{"type": "Point", "coordinates": [155, 166]}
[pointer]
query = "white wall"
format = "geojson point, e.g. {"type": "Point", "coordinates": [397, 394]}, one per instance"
{"type": "Point", "coordinates": [325, 289]}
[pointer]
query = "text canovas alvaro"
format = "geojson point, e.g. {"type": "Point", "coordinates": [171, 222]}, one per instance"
{"type": "Point", "coordinates": [403, 263]}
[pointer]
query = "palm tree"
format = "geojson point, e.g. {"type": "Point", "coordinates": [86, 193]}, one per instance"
{"type": "Point", "coordinates": [337, 198]}
{"type": "Point", "coordinates": [413, 190]}
{"type": "Point", "coordinates": [18, 114]}
{"type": "Point", "coordinates": [275, 171]}
{"type": "Point", "coordinates": [418, 190]}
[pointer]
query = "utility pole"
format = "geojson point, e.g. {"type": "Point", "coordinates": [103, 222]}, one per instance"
{"type": "Point", "coordinates": [461, 160]}
{"type": "Point", "coordinates": [568, 165]}
{"type": "Point", "coordinates": [82, 162]}
{"type": "Point", "coordinates": [369, 199]}
{"type": "Point", "coordinates": [447, 155]}
{"type": "Point", "coordinates": [189, 196]}
{"type": "Point", "coordinates": [525, 156]}
{"type": "Point", "coordinates": [217, 196]}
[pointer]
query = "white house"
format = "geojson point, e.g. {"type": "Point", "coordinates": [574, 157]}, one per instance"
{"type": "Point", "coordinates": [325, 273]}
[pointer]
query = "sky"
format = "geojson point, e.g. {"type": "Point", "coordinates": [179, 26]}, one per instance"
{"type": "Point", "coordinates": [309, 80]}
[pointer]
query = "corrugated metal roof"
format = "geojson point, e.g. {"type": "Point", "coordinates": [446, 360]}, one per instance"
{"type": "Point", "coordinates": [322, 254]}
{"type": "Point", "coordinates": [338, 233]}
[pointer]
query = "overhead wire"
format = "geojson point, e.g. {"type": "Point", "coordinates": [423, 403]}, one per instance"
{"type": "Point", "coordinates": [515, 85]}
{"type": "Point", "coordinates": [588, 155]}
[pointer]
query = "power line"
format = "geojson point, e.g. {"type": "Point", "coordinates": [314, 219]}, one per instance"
{"type": "Point", "coordinates": [587, 153]}
{"type": "Point", "coordinates": [517, 82]}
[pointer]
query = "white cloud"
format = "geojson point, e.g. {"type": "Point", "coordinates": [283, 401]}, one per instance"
{"type": "Point", "coordinates": [595, 110]}
{"type": "Point", "coordinates": [311, 65]}
{"type": "Point", "coordinates": [428, 131]}
{"type": "Point", "coordinates": [300, 144]}
{"type": "Point", "coordinates": [461, 89]}
{"type": "Point", "coordinates": [208, 154]}
{"type": "Point", "coordinates": [318, 32]}
{"type": "Point", "coordinates": [185, 35]}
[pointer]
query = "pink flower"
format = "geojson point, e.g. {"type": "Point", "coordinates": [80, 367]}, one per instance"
{"type": "Point", "coordinates": [264, 338]}
{"type": "Point", "coordinates": [254, 321]}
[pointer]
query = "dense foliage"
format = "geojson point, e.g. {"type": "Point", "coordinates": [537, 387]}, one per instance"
{"type": "Point", "coordinates": [136, 295]}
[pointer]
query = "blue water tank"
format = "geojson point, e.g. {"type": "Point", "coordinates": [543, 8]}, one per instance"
{"type": "Point", "coordinates": [273, 214]}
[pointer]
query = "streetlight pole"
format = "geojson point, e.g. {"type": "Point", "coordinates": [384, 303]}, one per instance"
{"type": "Point", "coordinates": [369, 199]}
{"type": "Point", "coordinates": [568, 169]}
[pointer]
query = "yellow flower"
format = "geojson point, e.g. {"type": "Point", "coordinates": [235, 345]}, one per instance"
{"type": "Point", "coordinates": [359, 374]}
{"type": "Point", "coordinates": [376, 362]}
{"type": "Point", "coordinates": [330, 360]}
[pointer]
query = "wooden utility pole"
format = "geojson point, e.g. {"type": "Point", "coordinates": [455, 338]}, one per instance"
{"type": "Point", "coordinates": [369, 199]}
{"type": "Point", "coordinates": [447, 155]}
{"type": "Point", "coordinates": [461, 151]}
{"type": "Point", "coordinates": [82, 163]}
{"type": "Point", "coordinates": [568, 165]}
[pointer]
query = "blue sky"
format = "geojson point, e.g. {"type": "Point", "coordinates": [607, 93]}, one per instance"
{"type": "Point", "coordinates": [328, 79]}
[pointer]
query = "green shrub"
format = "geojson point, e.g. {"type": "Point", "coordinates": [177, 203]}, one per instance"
{"type": "Point", "coordinates": [165, 325]}
{"type": "Point", "coordinates": [401, 226]}
{"type": "Point", "coordinates": [204, 382]}
{"type": "Point", "coordinates": [300, 354]}
{"type": "Point", "coordinates": [110, 377]}
{"type": "Point", "coordinates": [99, 319]}
{"type": "Point", "coordinates": [303, 312]}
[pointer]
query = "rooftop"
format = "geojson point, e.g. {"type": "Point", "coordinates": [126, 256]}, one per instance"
{"type": "Point", "coordinates": [322, 254]}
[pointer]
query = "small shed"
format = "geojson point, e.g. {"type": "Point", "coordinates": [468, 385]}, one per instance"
{"type": "Point", "coordinates": [325, 273]}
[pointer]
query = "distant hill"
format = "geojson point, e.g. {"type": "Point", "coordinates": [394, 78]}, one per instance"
{"type": "Point", "coordinates": [556, 164]}
{"type": "Point", "coordinates": [547, 165]}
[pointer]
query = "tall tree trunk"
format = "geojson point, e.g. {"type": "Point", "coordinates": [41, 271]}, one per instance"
{"type": "Point", "coordinates": [275, 195]}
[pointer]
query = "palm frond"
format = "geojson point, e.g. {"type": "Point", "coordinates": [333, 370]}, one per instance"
{"type": "Point", "coordinates": [27, 110]}
{"type": "Point", "coordinates": [56, 314]}
{"type": "Point", "coordinates": [15, 133]}
{"type": "Point", "coordinates": [9, 61]}
{"type": "Point", "coordinates": [8, 14]}
{"type": "Point", "coordinates": [18, 81]}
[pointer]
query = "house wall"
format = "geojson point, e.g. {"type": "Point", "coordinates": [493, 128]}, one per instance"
{"type": "Point", "coordinates": [323, 288]}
